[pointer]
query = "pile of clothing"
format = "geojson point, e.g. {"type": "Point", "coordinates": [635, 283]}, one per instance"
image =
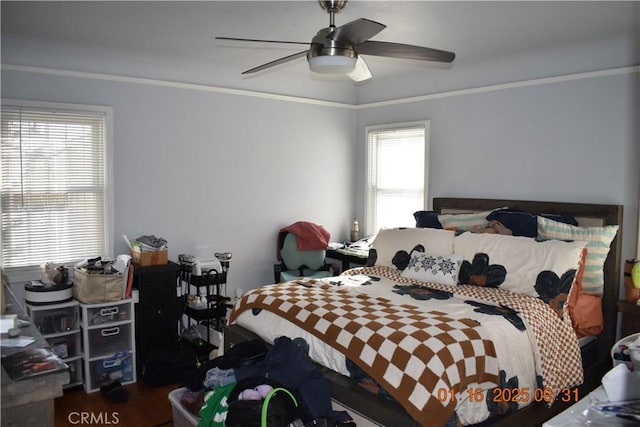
{"type": "Point", "coordinates": [250, 371]}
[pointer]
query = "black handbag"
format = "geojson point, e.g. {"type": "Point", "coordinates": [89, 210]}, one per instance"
{"type": "Point", "coordinates": [279, 408]}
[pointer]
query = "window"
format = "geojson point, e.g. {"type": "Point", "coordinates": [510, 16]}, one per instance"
{"type": "Point", "coordinates": [55, 183]}
{"type": "Point", "coordinates": [397, 171]}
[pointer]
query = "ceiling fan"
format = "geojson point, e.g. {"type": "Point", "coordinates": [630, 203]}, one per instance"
{"type": "Point", "coordinates": [337, 50]}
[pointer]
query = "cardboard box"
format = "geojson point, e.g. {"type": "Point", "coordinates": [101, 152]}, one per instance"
{"type": "Point", "coordinates": [147, 258]}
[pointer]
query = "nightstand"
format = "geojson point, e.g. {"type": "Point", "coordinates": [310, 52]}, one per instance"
{"type": "Point", "coordinates": [630, 318]}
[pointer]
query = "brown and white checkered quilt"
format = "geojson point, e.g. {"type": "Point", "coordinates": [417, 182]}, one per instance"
{"type": "Point", "coordinates": [411, 352]}
{"type": "Point", "coordinates": [558, 359]}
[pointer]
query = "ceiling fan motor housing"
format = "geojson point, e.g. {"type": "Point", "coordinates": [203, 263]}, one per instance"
{"type": "Point", "coordinates": [323, 46]}
{"type": "Point", "coordinates": [332, 6]}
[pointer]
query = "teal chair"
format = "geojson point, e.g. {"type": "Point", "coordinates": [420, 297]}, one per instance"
{"type": "Point", "coordinates": [297, 263]}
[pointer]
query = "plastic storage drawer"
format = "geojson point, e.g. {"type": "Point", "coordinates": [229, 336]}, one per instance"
{"type": "Point", "coordinates": [55, 321]}
{"type": "Point", "coordinates": [109, 340]}
{"type": "Point", "coordinates": [118, 367]}
{"type": "Point", "coordinates": [65, 346]}
{"type": "Point", "coordinates": [116, 312]}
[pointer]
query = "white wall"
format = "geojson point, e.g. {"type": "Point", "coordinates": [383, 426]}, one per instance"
{"type": "Point", "coordinates": [574, 141]}
{"type": "Point", "coordinates": [215, 172]}
{"type": "Point", "coordinates": [224, 172]}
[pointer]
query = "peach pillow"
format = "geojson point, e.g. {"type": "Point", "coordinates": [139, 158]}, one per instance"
{"type": "Point", "coordinates": [584, 310]}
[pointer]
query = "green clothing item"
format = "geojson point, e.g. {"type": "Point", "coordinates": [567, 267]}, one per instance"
{"type": "Point", "coordinates": [213, 412]}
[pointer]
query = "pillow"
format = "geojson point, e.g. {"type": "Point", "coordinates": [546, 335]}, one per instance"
{"type": "Point", "coordinates": [394, 246]}
{"type": "Point", "coordinates": [598, 244]}
{"type": "Point", "coordinates": [434, 268]}
{"type": "Point", "coordinates": [584, 311]}
{"type": "Point", "coordinates": [524, 223]}
{"type": "Point", "coordinates": [519, 264]}
{"type": "Point", "coordinates": [427, 219]}
{"type": "Point", "coordinates": [464, 221]}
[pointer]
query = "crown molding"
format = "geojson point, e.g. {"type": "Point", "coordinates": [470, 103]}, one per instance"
{"type": "Point", "coordinates": [171, 84]}
{"type": "Point", "coordinates": [505, 86]}
{"type": "Point", "coordinates": [303, 100]}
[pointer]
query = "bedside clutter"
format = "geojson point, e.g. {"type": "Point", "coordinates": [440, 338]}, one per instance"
{"type": "Point", "coordinates": [616, 402]}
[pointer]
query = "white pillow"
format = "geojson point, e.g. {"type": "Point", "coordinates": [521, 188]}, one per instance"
{"type": "Point", "coordinates": [434, 268]}
{"type": "Point", "coordinates": [516, 262]}
{"type": "Point", "coordinates": [401, 242]}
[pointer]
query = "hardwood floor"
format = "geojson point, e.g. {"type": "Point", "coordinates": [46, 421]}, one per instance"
{"type": "Point", "coordinates": [146, 407]}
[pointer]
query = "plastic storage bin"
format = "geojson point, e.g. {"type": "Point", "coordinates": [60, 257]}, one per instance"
{"type": "Point", "coordinates": [108, 343]}
{"type": "Point", "coordinates": [181, 416]}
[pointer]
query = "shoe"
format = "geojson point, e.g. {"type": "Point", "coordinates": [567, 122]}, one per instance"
{"type": "Point", "coordinates": [114, 392]}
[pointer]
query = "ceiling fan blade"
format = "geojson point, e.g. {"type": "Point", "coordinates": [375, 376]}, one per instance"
{"type": "Point", "coordinates": [361, 72]}
{"type": "Point", "coordinates": [258, 40]}
{"type": "Point", "coordinates": [276, 62]}
{"type": "Point", "coordinates": [356, 32]}
{"type": "Point", "coordinates": [406, 51]}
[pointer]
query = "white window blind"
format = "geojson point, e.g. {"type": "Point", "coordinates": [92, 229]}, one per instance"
{"type": "Point", "coordinates": [53, 185]}
{"type": "Point", "coordinates": [396, 175]}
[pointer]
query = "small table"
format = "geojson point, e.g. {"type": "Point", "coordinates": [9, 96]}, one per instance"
{"type": "Point", "coordinates": [347, 257]}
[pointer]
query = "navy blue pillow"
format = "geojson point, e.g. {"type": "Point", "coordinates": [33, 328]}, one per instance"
{"type": "Point", "coordinates": [427, 219]}
{"type": "Point", "coordinates": [524, 223]}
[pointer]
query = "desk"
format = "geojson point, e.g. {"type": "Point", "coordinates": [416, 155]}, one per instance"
{"type": "Point", "coordinates": [347, 257]}
{"type": "Point", "coordinates": [29, 402]}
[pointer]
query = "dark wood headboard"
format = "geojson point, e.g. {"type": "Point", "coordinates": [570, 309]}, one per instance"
{"type": "Point", "coordinates": [586, 214]}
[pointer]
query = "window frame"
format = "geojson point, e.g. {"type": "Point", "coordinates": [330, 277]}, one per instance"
{"type": "Point", "coordinates": [33, 272]}
{"type": "Point", "coordinates": [426, 124]}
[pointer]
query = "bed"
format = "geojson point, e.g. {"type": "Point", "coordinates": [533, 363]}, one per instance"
{"type": "Point", "coordinates": [473, 388]}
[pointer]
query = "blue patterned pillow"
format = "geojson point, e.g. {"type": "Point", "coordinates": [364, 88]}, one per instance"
{"type": "Point", "coordinates": [427, 219]}
{"type": "Point", "coordinates": [433, 268]}
{"type": "Point", "coordinates": [524, 223]}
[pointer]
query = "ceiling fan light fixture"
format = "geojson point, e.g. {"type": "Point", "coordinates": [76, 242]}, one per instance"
{"type": "Point", "coordinates": [332, 64]}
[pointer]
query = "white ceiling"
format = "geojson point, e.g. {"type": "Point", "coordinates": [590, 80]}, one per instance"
{"type": "Point", "coordinates": [495, 42]}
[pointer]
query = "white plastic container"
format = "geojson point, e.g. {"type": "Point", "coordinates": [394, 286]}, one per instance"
{"type": "Point", "coordinates": [181, 416]}
{"type": "Point", "coordinates": [634, 351]}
